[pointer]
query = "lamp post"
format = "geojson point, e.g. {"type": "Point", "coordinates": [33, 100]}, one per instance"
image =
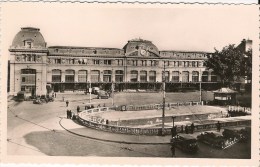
{"type": "Point", "coordinates": [90, 89]}
{"type": "Point", "coordinates": [200, 78]}
{"type": "Point", "coordinates": [112, 93]}
{"type": "Point", "coordinates": [163, 109]}
{"type": "Point", "coordinates": [112, 87]}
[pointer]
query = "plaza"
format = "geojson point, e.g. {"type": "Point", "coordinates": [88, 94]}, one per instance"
{"type": "Point", "coordinates": [44, 130]}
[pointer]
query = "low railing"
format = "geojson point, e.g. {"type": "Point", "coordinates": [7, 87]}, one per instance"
{"type": "Point", "coordinates": [155, 106]}
{"type": "Point", "coordinates": [147, 131]}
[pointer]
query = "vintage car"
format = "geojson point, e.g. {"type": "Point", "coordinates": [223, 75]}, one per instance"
{"type": "Point", "coordinates": [214, 139]}
{"type": "Point", "coordinates": [185, 142]}
{"type": "Point", "coordinates": [245, 134]}
{"type": "Point", "coordinates": [237, 134]}
{"type": "Point", "coordinates": [37, 101]}
{"type": "Point", "coordinates": [102, 95]}
{"type": "Point", "coordinates": [232, 134]}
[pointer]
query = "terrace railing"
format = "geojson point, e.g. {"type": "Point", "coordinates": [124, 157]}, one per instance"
{"type": "Point", "coordinates": [84, 118]}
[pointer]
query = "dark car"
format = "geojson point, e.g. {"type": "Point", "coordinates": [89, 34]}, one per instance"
{"type": "Point", "coordinates": [213, 139]}
{"type": "Point", "coordinates": [232, 134]}
{"type": "Point", "coordinates": [237, 134]}
{"type": "Point", "coordinates": [185, 142]}
{"type": "Point", "coordinates": [102, 95]}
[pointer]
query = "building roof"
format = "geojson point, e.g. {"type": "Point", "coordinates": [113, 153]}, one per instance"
{"type": "Point", "coordinates": [30, 34]}
{"type": "Point", "coordinates": [80, 47]}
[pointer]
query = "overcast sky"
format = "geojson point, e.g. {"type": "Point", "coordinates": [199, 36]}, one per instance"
{"type": "Point", "coordinates": [169, 28]}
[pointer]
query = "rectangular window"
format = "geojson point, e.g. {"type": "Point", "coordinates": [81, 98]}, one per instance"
{"type": "Point", "coordinates": [28, 79]}
{"type": "Point", "coordinates": [96, 61]}
{"type": "Point", "coordinates": [107, 62]}
{"type": "Point", "coordinates": [82, 78]}
{"type": "Point", "coordinates": [69, 78]}
{"type": "Point", "coordinates": [56, 78]}
{"type": "Point", "coordinates": [22, 88]}
{"type": "Point", "coordinates": [119, 78]}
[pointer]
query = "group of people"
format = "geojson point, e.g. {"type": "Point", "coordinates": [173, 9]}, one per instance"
{"type": "Point", "coordinates": [71, 115]}
{"type": "Point", "coordinates": [190, 129]}
{"type": "Point", "coordinates": [92, 106]}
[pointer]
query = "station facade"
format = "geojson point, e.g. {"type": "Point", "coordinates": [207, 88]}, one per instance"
{"type": "Point", "coordinates": [36, 69]}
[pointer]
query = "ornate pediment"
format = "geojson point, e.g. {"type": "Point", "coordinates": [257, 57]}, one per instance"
{"type": "Point", "coordinates": [142, 53]}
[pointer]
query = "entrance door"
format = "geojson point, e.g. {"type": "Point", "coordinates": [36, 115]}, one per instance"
{"type": "Point", "coordinates": [56, 88]}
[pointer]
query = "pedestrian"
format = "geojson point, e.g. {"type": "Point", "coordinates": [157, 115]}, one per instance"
{"type": "Point", "coordinates": [67, 103]}
{"type": "Point", "coordinates": [192, 127]}
{"type": "Point", "coordinates": [78, 109]}
{"type": "Point", "coordinates": [107, 122]}
{"type": "Point", "coordinates": [71, 114]}
{"type": "Point", "coordinates": [55, 94]}
{"type": "Point", "coordinates": [92, 106]}
{"type": "Point", "coordinates": [181, 128]}
{"type": "Point", "coordinates": [63, 98]}
{"type": "Point", "coordinates": [218, 126]}
{"type": "Point", "coordinates": [68, 114]}
{"type": "Point", "coordinates": [186, 129]}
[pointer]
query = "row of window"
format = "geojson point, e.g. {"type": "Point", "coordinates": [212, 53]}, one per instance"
{"type": "Point", "coordinates": [144, 76]}
{"type": "Point", "coordinates": [86, 61]}
{"type": "Point", "coordinates": [119, 62]}
{"type": "Point", "coordinates": [26, 58]}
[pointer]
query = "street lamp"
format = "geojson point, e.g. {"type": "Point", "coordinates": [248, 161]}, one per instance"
{"type": "Point", "coordinates": [112, 88]}
{"type": "Point", "coordinates": [163, 109]}
{"type": "Point", "coordinates": [90, 89]}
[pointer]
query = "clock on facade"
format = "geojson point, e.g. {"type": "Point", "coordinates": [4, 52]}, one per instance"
{"type": "Point", "coordinates": [143, 52]}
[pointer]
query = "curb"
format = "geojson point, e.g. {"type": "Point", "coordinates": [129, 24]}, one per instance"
{"type": "Point", "coordinates": [112, 141]}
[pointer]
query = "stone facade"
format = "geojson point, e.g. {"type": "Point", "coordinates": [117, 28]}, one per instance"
{"type": "Point", "coordinates": [35, 68]}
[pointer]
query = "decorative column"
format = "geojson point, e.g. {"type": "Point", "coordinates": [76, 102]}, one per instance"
{"type": "Point", "coordinates": [101, 76]}
{"type": "Point", "coordinates": [209, 76]}
{"type": "Point", "coordinates": [180, 76]}
{"type": "Point", "coordinates": [76, 77]}
{"type": "Point", "coordinates": [190, 76]}
{"type": "Point", "coordinates": [62, 76]}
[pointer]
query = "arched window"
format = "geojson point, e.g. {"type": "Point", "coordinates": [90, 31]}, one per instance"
{"type": "Point", "coordinates": [185, 76]}
{"type": "Point", "coordinates": [56, 75]}
{"type": "Point", "coordinates": [195, 76]}
{"type": "Point", "coordinates": [152, 76]}
{"type": "Point", "coordinates": [69, 75]}
{"type": "Point", "coordinates": [175, 76]}
{"type": "Point", "coordinates": [166, 76]}
{"type": "Point", "coordinates": [143, 76]}
{"type": "Point", "coordinates": [134, 76]}
{"type": "Point", "coordinates": [204, 77]}
{"type": "Point", "coordinates": [95, 76]}
{"type": "Point", "coordinates": [82, 75]}
{"type": "Point", "coordinates": [119, 76]}
{"type": "Point", "coordinates": [213, 77]}
{"type": "Point", "coordinates": [107, 76]}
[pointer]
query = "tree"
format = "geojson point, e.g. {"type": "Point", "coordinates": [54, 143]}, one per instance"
{"type": "Point", "coordinates": [230, 64]}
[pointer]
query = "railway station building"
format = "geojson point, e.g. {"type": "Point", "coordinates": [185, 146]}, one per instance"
{"type": "Point", "coordinates": [36, 68]}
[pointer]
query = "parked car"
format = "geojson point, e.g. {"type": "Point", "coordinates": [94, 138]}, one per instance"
{"type": "Point", "coordinates": [102, 95]}
{"type": "Point", "coordinates": [232, 134]}
{"type": "Point", "coordinates": [95, 90]}
{"type": "Point", "coordinates": [185, 142]}
{"type": "Point", "coordinates": [213, 139]}
{"type": "Point", "coordinates": [37, 101]}
{"type": "Point", "coordinates": [246, 134]}
{"type": "Point", "coordinates": [237, 134]}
